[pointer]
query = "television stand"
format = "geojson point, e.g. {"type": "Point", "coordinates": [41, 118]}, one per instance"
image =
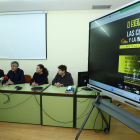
{"type": "Point", "coordinates": [118, 113]}
{"type": "Point", "coordinates": [86, 88]}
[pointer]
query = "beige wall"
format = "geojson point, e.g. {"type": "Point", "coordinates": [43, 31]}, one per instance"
{"type": "Point", "coordinates": [67, 43]}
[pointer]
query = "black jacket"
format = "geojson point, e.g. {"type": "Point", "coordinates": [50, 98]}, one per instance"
{"type": "Point", "coordinates": [1, 73]}
{"type": "Point", "coordinates": [40, 79]}
{"type": "Point", "coordinates": [17, 78]}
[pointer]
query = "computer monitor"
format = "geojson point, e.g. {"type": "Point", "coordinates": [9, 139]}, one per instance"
{"type": "Point", "coordinates": [114, 54]}
{"type": "Point", "coordinates": [82, 78]}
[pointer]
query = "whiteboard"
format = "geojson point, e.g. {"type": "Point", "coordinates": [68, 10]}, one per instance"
{"type": "Point", "coordinates": [23, 36]}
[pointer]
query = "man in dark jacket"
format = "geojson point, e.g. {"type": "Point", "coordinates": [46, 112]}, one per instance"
{"type": "Point", "coordinates": [1, 73]}
{"type": "Point", "coordinates": [15, 75]}
{"type": "Point", "coordinates": [62, 78]}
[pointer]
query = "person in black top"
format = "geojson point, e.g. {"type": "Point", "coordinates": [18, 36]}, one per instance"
{"type": "Point", "coordinates": [40, 76]}
{"type": "Point", "coordinates": [1, 73]}
{"type": "Point", "coordinates": [62, 78]}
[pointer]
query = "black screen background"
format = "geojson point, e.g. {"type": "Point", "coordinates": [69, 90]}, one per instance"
{"type": "Point", "coordinates": [104, 51]}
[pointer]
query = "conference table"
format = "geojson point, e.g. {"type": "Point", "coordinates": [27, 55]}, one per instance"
{"type": "Point", "coordinates": [51, 106]}
{"type": "Point", "coordinates": [27, 106]}
{"type": "Point", "coordinates": [58, 107]}
{"type": "Point", "coordinates": [22, 106]}
{"type": "Point", "coordinates": [84, 100]}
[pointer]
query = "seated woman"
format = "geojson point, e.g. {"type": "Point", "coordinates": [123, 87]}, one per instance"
{"type": "Point", "coordinates": [1, 73]}
{"type": "Point", "coordinates": [40, 76]}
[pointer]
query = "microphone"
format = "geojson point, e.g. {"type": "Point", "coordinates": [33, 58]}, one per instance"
{"type": "Point", "coordinates": [4, 78]}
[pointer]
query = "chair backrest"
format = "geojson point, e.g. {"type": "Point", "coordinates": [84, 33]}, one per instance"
{"type": "Point", "coordinates": [47, 81]}
{"type": "Point", "coordinates": [72, 81]}
{"type": "Point", "coordinates": [27, 78]}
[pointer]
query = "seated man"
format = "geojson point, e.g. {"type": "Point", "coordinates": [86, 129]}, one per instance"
{"type": "Point", "coordinates": [62, 78]}
{"type": "Point", "coordinates": [1, 73]}
{"type": "Point", "coordinates": [15, 75]}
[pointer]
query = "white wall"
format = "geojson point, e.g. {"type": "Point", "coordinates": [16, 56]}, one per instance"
{"type": "Point", "coordinates": [67, 43]}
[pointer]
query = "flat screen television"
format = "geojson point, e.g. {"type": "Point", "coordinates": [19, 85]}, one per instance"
{"type": "Point", "coordinates": [114, 54]}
